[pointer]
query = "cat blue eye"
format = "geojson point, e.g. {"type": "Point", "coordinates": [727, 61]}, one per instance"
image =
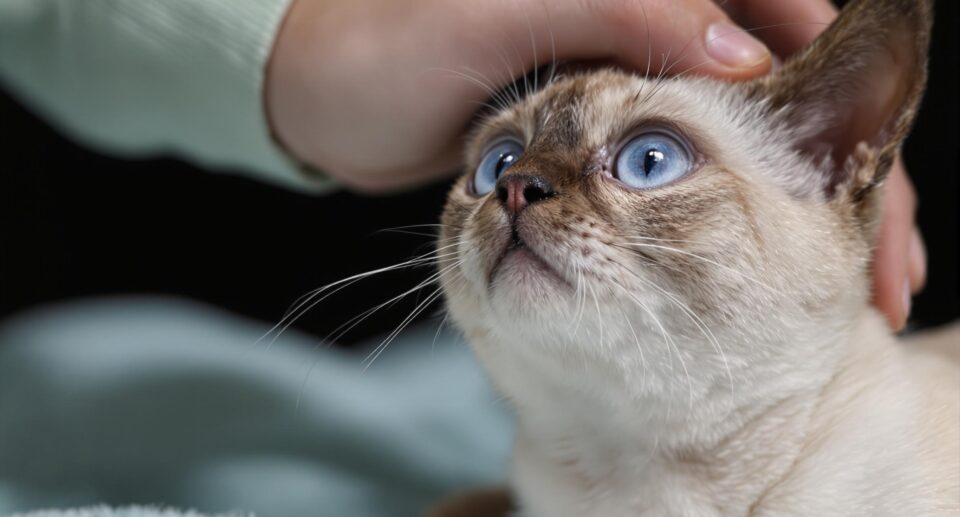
{"type": "Point", "coordinates": [495, 162]}
{"type": "Point", "coordinates": [652, 159]}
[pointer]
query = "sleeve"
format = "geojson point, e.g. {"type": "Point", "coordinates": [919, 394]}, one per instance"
{"type": "Point", "coordinates": [146, 77]}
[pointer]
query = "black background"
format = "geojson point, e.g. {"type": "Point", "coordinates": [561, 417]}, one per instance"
{"type": "Point", "coordinates": [75, 223]}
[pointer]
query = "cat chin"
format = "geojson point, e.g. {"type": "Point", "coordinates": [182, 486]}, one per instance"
{"type": "Point", "coordinates": [529, 306]}
{"type": "Point", "coordinates": [523, 274]}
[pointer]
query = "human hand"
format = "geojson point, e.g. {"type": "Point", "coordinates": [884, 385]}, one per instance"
{"type": "Point", "coordinates": [900, 262]}
{"type": "Point", "coordinates": [378, 93]}
{"type": "Point", "coordinates": [900, 258]}
{"type": "Point", "coordinates": [375, 92]}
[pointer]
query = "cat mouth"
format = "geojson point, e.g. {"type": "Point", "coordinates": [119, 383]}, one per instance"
{"type": "Point", "coordinates": [516, 254]}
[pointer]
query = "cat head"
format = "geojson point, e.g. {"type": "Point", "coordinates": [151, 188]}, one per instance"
{"type": "Point", "coordinates": [614, 220]}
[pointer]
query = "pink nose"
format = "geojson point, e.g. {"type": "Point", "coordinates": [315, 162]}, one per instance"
{"type": "Point", "coordinates": [518, 191]}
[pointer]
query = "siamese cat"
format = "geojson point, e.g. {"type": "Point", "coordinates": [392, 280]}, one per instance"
{"type": "Point", "coordinates": [668, 280]}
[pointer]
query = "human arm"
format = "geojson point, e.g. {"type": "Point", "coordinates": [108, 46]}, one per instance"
{"type": "Point", "coordinates": [140, 78]}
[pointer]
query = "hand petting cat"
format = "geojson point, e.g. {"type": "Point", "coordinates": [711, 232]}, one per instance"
{"type": "Point", "coordinates": [378, 94]}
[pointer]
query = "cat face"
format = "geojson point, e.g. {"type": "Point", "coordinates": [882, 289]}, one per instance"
{"type": "Point", "coordinates": [610, 219]}
{"type": "Point", "coordinates": [587, 233]}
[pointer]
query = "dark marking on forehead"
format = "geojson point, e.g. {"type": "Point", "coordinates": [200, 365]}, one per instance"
{"type": "Point", "coordinates": [555, 150]}
{"type": "Point", "coordinates": [562, 166]}
{"type": "Point", "coordinates": [559, 123]}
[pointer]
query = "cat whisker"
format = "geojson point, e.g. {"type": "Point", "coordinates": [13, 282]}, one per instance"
{"type": "Point", "coordinates": [306, 304]}
{"type": "Point", "coordinates": [511, 88]}
{"type": "Point", "coordinates": [422, 306]}
{"type": "Point", "coordinates": [581, 298]}
{"type": "Point", "coordinates": [741, 274]}
{"type": "Point", "coordinates": [361, 317]}
{"type": "Point", "coordinates": [433, 344]}
{"type": "Point", "coordinates": [470, 78]}
{"type": "Point", "coordinates": [671, 344]}
{"type": "Point", "coordinates": [646, 74]}
{"type": "Point", "coordinates": [340, 331]}
{"type": "Point", "coordinates": [658, 80]}
{"type": "Point", "coordinates": [426, 225]}
{"type": "Point", "coordinates": [704, 329]}
{"type": "Point", "coordinates": [657, 239]}
{"type": "Point", "coordinates": [636, 339]}
{"type": "Point", "coordinates": [516, 52]}
{"type": "Point", "coordinates": [533, 47]}
{"type": "Point", "coordinates": [510, 80]}
{"type": "Point", "coordinates": [500, 96]}
{"type": "Point", "coordinates": [406, 232]}
{"type": "Point", "coordinates": [691, 68]}
{"type": "Point", "coordinates": [485, 105]}
{"type": "Point", "coordinates": [460, 289]}
{"type": "Point", "coordinates": [553, 46]}
{"type": "Point", "coordinates": [403, 325]}
{"type": "Point", "coordinates": [310, 300]}
{"type": "Point", "coordinates": [495, 94]}
{"type": "Point", "coordinates": [596, 302]}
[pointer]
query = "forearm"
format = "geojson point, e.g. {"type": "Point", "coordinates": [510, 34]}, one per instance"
{"type": "Point", "coordinates": [140, 77]}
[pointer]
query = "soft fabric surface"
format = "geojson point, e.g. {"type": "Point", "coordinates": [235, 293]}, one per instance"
{"type": "Point", "coordinates": [132, 511]}
{"type": "Point", "coordinates": [169, 403]}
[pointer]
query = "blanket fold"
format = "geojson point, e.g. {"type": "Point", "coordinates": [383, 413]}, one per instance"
{"type": "Point", "coordinates": [144, 401]}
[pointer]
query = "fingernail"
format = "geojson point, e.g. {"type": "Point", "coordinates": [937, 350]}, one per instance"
{"type": "Point", "coordinates": [734, 47]}
{"type": "Point", "coordinates": [907, 299]}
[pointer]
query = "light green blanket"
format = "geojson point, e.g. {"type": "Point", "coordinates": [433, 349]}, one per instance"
{"type": "Point", "coordinates": [131, 511]}
{"type": "Point", "coordinates": [169, 403]}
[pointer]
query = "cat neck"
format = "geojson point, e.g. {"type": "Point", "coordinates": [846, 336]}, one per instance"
{"type": "Point", "coordinates": [736, 442]}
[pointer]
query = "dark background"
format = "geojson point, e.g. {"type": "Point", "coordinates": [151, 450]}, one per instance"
{"type": "Point", "coordinates": [75, 223]}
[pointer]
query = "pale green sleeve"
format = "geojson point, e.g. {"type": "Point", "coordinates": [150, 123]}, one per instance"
{"type": "Point", "coordinates": [144, 78]}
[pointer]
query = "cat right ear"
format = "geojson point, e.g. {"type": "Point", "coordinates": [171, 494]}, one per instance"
{"type": "Point", "coordinates": [849, 99]}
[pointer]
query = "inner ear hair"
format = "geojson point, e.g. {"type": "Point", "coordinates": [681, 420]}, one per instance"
{"type": "Point", "coordinates": [850, 98]}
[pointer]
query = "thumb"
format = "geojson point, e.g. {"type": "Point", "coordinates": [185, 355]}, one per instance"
{"type": "Point", "coordinates": [650, 36]}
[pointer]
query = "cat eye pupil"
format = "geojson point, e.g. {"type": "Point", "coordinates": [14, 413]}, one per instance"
{"type": "Point", "coordinates": [652, 159]}
{"type": "Point", "coordinates": [505, 162]}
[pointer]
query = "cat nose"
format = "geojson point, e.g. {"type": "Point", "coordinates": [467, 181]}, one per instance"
{"type": "Point", "coordinates": [516, 191]}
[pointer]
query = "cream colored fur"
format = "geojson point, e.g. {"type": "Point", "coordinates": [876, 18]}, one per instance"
{"type": "Point", "coordinates": [707, 348]}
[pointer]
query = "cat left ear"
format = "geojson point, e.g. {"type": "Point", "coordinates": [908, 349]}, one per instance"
{"type": "Point", "coordinates": [850, 98]}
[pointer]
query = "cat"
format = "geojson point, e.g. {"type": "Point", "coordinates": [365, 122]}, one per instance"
{"type": "Point", "coordinates": [668, 280]}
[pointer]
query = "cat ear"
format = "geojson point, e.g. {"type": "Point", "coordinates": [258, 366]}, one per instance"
{"type": "Point", "coordinates": [849, 99]}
